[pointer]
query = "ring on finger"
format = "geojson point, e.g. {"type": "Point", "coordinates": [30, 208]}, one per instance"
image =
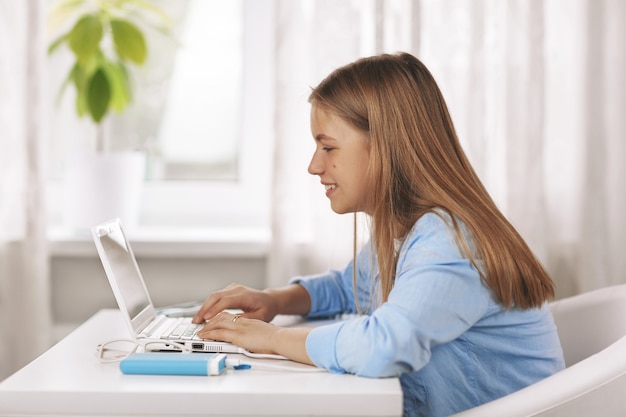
{"type": "Point", "coordinates": [236, 317]}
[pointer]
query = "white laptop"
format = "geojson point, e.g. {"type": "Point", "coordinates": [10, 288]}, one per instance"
{"type": "Point", "coordinates": [134, 300]}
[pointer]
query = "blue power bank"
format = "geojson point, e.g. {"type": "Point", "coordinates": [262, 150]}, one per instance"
{"type": "Point", "coordinates": [174, 364]}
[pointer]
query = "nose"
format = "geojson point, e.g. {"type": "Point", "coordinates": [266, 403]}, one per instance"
{"type": "Point", "coordinates": [315, 166]}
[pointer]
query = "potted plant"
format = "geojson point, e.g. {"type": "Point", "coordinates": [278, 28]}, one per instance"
{"type": "Point", "coordinates": [106, 40]}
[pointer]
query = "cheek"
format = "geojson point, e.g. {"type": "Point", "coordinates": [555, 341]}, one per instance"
{"type": "Point", "coordinates": [364, 177]}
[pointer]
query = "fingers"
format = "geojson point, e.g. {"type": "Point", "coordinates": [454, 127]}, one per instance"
{"type": "Point", "coordinates": [248, 333]}
{"type": "Point", "coordinates": [220, 327]}
{"type": "Point", "coordinates": [202, 312]}
{"type": "Point", "coordinates": [253, 302]}
{"type": "Point", "coordinates": [209, 309]}
{"type": "Point", "coordinates": [216, 302]}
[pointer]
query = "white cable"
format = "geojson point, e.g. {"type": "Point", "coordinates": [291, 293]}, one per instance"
{"type": "Point", "coordinates": [133, 346]}
{"type": "Point", "coordinates": [238, 364]}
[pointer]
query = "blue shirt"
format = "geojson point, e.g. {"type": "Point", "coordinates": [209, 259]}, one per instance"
{"type": "Point", "coordinates": [441, 331]}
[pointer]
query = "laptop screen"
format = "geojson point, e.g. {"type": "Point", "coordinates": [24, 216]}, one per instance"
{"type": "Point", "coordinates": [122, 266]}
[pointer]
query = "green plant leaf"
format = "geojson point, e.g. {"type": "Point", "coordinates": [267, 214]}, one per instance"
{"type": "Point", "coordinates": [98, 95]}
{"type": "Point", "coordinates": [127, 81]}
{"type": "Point", "coordinates": [102, 82]}
{"type": "Point", "coordinates": [84, 38]}
{"type": "Point", "coordinates": [120, 88]}
{"type": "Point", "coordinates": [79, 78]}
{"type": "Point", "coordinates": [57, 42]}
{"type": "Point", "coordinates": [129, 42]}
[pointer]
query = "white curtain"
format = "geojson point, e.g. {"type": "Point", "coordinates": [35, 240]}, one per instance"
{"type": "Point", "coordinates": [25, 323]}
{"type": "Point", "coordinates": [537, 89]}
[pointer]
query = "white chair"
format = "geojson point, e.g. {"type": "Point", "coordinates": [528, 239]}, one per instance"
{"type": "Point", "coordinates": [592, 329]}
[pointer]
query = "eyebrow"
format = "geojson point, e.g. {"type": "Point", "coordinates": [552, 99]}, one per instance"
{"type": "Point", "coordinates": [323, 137]}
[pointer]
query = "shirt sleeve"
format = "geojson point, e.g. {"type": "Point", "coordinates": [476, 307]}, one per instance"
{"type": "Point", "coordinates": [332, 293]}
{"type": "Point", "coordinates": [436, 297]}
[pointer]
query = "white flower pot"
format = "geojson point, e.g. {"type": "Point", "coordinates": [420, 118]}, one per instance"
{"type": "Point", "coordinates": [102, 186]}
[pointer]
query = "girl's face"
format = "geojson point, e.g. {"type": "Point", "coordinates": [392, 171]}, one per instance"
{"type": "Point", "coordinates": [340, 160]}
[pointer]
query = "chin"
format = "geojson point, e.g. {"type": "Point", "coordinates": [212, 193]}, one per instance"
{"type": "Point", "coordinates": [338, 210]}
{"type": "Point", "coordinates": [342, 210]}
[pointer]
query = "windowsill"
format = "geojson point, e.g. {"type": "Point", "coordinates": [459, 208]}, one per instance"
{"type": "Point", "coordinates": [170, 242]}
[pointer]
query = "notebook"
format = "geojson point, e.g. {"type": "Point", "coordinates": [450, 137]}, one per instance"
{"type": "Point", "coordinates": [134, 300]}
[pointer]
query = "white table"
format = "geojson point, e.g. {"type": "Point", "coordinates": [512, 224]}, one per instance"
{"type": "Point", "coordinates": [69, 380]}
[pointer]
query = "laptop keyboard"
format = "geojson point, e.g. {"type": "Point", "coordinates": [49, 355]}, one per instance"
{"type": "Point", "coordinates": [168, 328]}
{"type": "Point", "coordinates": [186, 331]}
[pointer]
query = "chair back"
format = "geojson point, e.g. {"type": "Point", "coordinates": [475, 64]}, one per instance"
{"type": "Point", "coordinates": [589, 322]}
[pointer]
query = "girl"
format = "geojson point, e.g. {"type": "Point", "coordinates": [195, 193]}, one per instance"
{"type": "Point", "coordinates": [453, 301]}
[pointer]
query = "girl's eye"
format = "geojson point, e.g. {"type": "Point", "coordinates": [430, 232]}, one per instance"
{"type": "Point", "coordinates": [327, 149]}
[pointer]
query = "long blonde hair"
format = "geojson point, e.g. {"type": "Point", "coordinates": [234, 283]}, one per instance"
{"type": "Point", "coordinates": [417, 166]}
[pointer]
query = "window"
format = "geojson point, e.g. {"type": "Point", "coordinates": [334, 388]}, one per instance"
{"type": "Point", "coordinates": [204, 114]}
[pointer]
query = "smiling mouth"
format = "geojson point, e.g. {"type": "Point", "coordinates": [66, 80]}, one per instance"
{"type": "Point", "coordinates": [329, 187]}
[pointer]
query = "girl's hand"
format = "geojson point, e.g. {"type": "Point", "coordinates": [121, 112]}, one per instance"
{"type": "Point", "coordinates": [255, 304]}
{"type": "Point", "coordinates": [251, 334]}
{"type": "Point", "coordinates": [258, 336]}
